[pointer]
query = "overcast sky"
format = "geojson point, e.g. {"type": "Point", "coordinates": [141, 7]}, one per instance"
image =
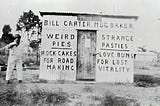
{"type": "Point", "coordinates": [148, 11]}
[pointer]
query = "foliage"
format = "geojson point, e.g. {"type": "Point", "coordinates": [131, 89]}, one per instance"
{"type": "Point", "coordinates": [9, 97]}
{"type": "Point", "coordinates": [112, 100]}
{"type": "Point", "coordinates": [44, 96]}
{"type": "Point", "coordinates": [38, 96]}
{"type": "Point", "coordinates": [28, 21]}
{"type": "Point", "coordinates": [34, 44]}
{"type": "Point", "coordinates": [146, 81]}
{"type": "Point", "coordinates": [6, 36]}
{"type": "Point", "coordinates": [6, 29]}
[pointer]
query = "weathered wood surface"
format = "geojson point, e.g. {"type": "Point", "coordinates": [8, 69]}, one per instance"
{"type": "Point", "coordinates": [86, 61]}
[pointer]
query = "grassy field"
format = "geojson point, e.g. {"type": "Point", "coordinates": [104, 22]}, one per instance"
{"type": "Point", "coordinates": [145, 91]}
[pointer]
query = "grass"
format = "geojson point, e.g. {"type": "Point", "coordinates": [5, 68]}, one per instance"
{"type": "Point", "coordinates": [146, 81]}
{"type": "Point", "coordinates": [112, 100]}
{"type": "Point", "coordinates": [88, 89]}
{"type": "Point", "coordinates": [9, 96]}
{"type": "Point", "coordinates": [44, 96]}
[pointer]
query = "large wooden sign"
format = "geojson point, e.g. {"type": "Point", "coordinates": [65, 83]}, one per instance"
{"type": "Point", "coordinates": [115, 55]}
{"type": "Point", "coordinates": [76, 48]}
{"type": "Point", "coordinates": [58, 52]}
{"type": "Point", "coordinates": [115, 58]}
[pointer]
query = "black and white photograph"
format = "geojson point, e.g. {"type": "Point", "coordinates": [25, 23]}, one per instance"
{"type": "Point", "coordinates": [80, 53]}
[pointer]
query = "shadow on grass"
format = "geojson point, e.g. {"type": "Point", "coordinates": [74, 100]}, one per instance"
{"type": "Point", "coordinates": [112, 100]}
{"type": "Point", "coordinates": [10, 96]}
{"type": "Point", "coordinates": [146, 81]}
{"type": "Point", "coordinates": [44, 96]}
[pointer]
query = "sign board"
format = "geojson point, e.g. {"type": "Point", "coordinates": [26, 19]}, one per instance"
{"type": "Point", "coordinates": [115, 59]}
{"type": "Point", "coordinates": [58, 54]}
{"type": "Point", "coordinates": [114, 44]}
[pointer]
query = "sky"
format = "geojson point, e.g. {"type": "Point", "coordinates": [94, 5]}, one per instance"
{"type": "Point", "coordinates": [147, 26]}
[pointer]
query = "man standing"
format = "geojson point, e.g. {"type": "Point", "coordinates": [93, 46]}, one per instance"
{"type": "Point", "coordinates": [15, 59]}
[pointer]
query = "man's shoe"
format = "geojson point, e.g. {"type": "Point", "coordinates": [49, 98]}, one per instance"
{"type": "Point", "coordinates": [20, 81]}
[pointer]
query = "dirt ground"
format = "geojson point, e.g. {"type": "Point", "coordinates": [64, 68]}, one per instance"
{"type": "Point", "coordinates": [90, 93]}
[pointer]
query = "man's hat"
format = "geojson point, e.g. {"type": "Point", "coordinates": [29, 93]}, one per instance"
{"type": "Point", "coordinates": [17, 36]}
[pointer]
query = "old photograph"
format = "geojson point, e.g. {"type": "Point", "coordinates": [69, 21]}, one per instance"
{"type": "Point", "coordinates": [80, 53]}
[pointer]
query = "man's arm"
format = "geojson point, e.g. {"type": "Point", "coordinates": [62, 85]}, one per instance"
{"type": "Point", "coordinates": [8, 46]}
{"type": "Point", "coordinates": [11, 45]}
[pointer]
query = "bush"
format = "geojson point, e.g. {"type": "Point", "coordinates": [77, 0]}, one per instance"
{"type": "Point", "coordinates": [38, 96]}
{"type": "Point", "coordinates": [112, 100]}
{"type": "Point", "coordinates": [9, 97]}
{"type": "Point", "coordinates": [57, 98]}
{"type": "Point", "coordinates": [44, 96]}
{"type": "Point", "coordinates": [146, 81]}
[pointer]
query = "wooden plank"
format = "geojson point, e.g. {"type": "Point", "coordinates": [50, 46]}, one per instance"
{"type": "Point", "coordinates": [86, 61]}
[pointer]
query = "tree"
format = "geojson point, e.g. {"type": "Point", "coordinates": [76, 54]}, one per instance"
{"type": "Point", "coordinates": [34, 44]}
{"type": "Point", "coordinates": [28, 21]}
{"type": "Point", "coordinates": [7, 37]}
{"type": "Point", "coordinates": [6, 29]}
